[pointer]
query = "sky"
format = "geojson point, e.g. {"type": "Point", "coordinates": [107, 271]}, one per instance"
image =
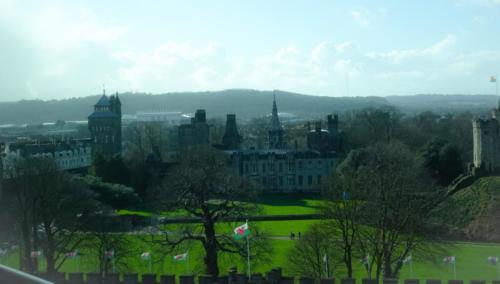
{"type": "Point", "coordinates": [62, 49]}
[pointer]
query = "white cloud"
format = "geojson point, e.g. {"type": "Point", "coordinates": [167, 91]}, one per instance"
{"type": "Point", "coordinates": [360, 18]}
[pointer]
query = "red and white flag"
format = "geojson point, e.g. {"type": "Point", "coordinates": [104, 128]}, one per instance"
{"type": "Point", "coordinates": [181, 257]}
{"type": "Point", "coordinates": [493, 260]}
{"type": "Point", "coordinates": [36, 254]}
{"type": "Point", "coordinates": [71, 254]}
{"type": "Point", "coordinates": [109, 253]}
{"type": "Point", "coordinates": [449, 259]}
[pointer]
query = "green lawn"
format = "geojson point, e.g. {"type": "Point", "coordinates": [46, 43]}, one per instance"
{"type": "Point", "coordinates": [471, 258]}
{"type": "Point", "coordinates": [471, 262]}
{"type": "Point", "coordinates": [277, 204]}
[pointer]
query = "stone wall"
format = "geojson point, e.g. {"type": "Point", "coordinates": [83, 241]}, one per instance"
{"type": "Point", "coordinates": [272, 277]}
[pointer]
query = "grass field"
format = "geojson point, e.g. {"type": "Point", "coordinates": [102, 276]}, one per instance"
{"type": "Point", "coordinates": [471, 257]}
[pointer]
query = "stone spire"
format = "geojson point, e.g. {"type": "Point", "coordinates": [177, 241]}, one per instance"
{"type": "Point", "coordinates": [275, 121]}
{"type": "Point", "coordinates": [275, 131]}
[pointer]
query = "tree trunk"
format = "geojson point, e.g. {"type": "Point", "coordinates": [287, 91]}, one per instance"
{"type": "Point", "coordinates": [49, 254]}
{"type": "Point", "coordinates": [210, 245]}
{"type": "Point", "coordinates": [26, 259]}
{"type": "Point", "coordinates": [349, 261]}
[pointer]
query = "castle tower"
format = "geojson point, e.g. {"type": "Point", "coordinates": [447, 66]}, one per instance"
{"type": "Point", "coordinates": [195, 133]}
{"type": "Point", "coordinates": [275, 131]}
{"type": "Point", "coordinates": [486, 144]}
{"type": "Point", "coordinates": [105, 126]}
{"type": "Point", "coordinates": [231, 139]}
{"type": "Point", "coordinates": [333, 130]}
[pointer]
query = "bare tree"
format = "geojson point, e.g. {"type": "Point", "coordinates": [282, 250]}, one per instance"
{"type": "Point", "coordinates": [343, 207]}
{"type": "Point", "coordinates": [400, 200]}
{"type": "Point", "coordinates": [50, 208]}
{"type": "Point", "coordinates": [202, 186]}
{"type": "Point", "coordinates": [313, 255]}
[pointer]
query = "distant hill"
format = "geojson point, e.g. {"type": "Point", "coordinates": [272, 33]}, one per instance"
{"type": "Point", "coordinates": [245, 103]}
{"type": "Point", "coordinates": [444, 103]}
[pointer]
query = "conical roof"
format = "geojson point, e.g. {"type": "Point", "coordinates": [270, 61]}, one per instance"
{"type": "Point", "coordinates": [103, 101]}
{"type": "Point", "coordinates": [275, 121]}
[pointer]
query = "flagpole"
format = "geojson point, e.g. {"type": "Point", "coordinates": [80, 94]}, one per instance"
{"type": "Point", "coordinates": [498, 270]}
{"type": "Point", "coordinates": [455, 269]}
{"type": "Point", "coordinates": [411, 266]}
{"type": "Point", "coordinates": [368, 265]}
{"type": "Point", "coordinates": [248, 255]}
{"type": "Point", "coordinates": [326, 266]}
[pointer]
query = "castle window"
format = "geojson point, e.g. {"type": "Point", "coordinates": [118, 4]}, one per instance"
{"type": "Point", "coordinates": [301, 180]}
{"type": "Point", "coordinates": [486, 132]}
{"type": "Point", "coordinates": [300, 165]}
{"type": "Point", "coordinates": [264, 180]}
{"type": "Point", "coordinates": [246, 168]}
{"type": "Point", "coordinates": [309, 180]}
{"type": "Point", "coordinates": [263, 167]}
{"type": "Point", "coordinates": [281, 180]}
{"type": "Point", "coordinates": [319, 179]}
{"type": "Point", "coordinates": [281, 167]}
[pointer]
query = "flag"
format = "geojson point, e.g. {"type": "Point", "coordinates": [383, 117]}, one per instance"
{"type": "Point", "coordinates": [407, 259]}
{"type": "Point", "coordinates": [493, 260]}
{"type": "Point", "coordinates": [181, 257]}
{"type": "Point", "coordinates": [241, 231]}
{"type": "Point", "coordinates": [493, 79]}
{"type": "Point", "coordinates": [345, 195]}
{"type": "Point", "coordinates": [449, 259]}
{"type": "Point", "coordinates": [325, 259]}
{"type": "Point", "coordinates": [109, 253]}
{"type": "Point", "coordinates": [146, 256]}
{"type": "Point", "coordinates": [71, 254]}
{"type": "Point", "coordinates": [36, 253]}
{"type": "Point", "coordinates": [365, 260]}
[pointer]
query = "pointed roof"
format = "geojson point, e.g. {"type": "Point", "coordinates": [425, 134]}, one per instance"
{"type": "Point", "coordinates": [103, 101]}
{"type": "Point", "coordinates": [275, 121]}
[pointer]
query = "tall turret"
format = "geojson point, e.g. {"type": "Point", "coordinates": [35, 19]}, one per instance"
{"type": "Point", "coordinates": [105, 126]}
{"type": "Point", "coordinates": [231, 139]}
{"type": "Point", "coordinates": [275, 131]}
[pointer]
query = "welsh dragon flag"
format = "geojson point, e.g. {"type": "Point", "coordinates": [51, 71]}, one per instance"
{"type": "Point", "coordinates": [241, 232]}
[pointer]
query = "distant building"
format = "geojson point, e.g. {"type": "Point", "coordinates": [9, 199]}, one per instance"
{"type": "Point", "coordinates": [105, 126]}
{"type": "Point", "coordinates": [231, 139]}
{"type": "Point", "coordinates": [196, 132]}
{"type": "Point", "coordinates": [173, 117]}
{"type": "Point", "coordinates": [280, 169]}
{"type": "Point", "coordinates": [276, 168]}
{"type": "Point", "coordinates": [324, 140]}
{"type": "Point", "coordinates": [275, 132]}
{"type": "Point", "coordinates": [486, 141]}
{"type": "Point", "coordinates": [69, 155]}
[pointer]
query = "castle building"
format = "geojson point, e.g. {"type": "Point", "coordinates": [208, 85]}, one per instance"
{"type": "Point", "coordinates": [276, 130]}
{"type": "Point", "coordinates": [105, 126]}
{"type": "Point", "coordinates": [324, 140]}
{"type": "Point", "coordinates": [486, 141]}
{"type": "Point", "coordinates": [195, 133]}
{"type": "Point", "coordinates": [69, 155]}
{"type": "Point", "coordinates": [276, 168]}
{"type": "Point", "coordinates": [231, 139]}
{"type": "Point", "coordinates": [282, 170]}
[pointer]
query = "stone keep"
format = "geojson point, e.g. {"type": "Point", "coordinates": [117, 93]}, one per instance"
{"type": "Point", "coordinates": [105, 126]}
{"type": "Point", "coordinates": [486, 138]}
